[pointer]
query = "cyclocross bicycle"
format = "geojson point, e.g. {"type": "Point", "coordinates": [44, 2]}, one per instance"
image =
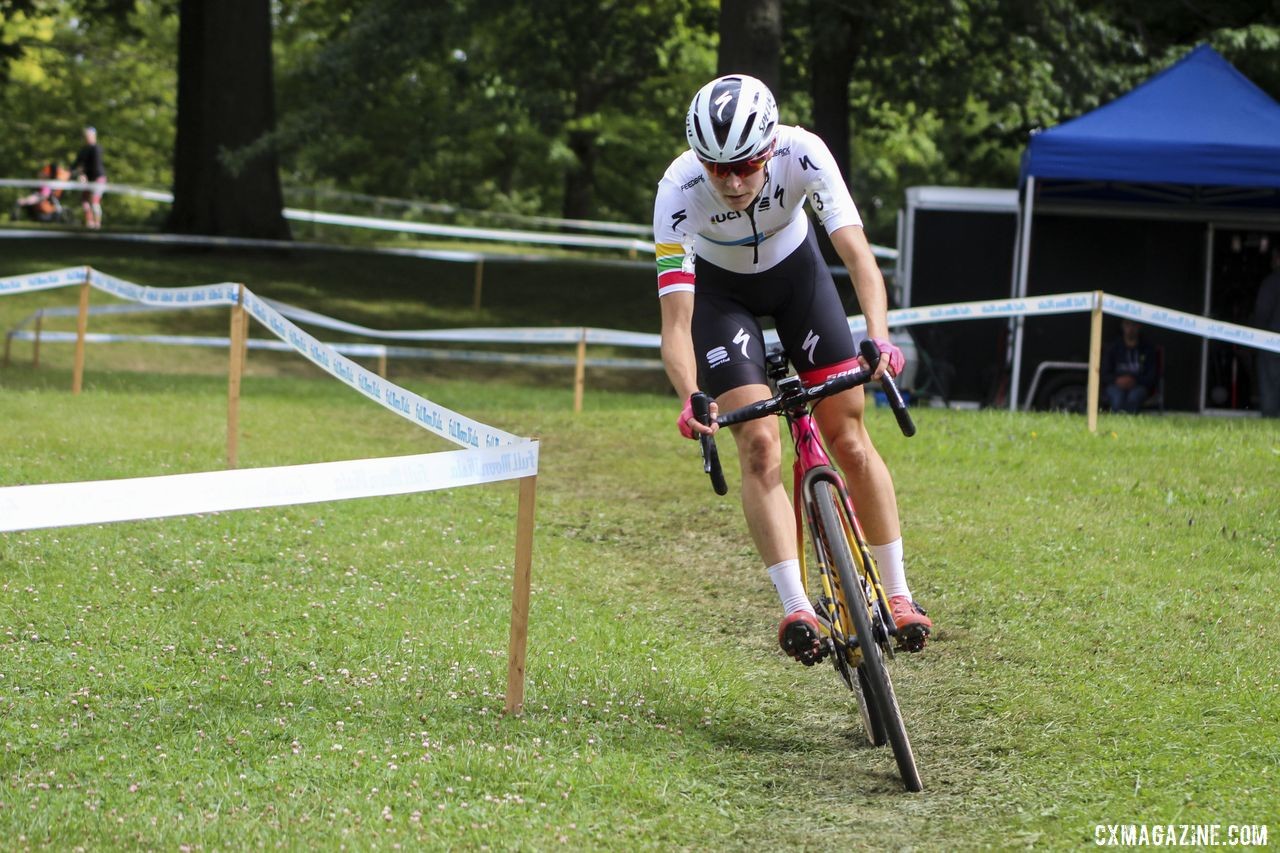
{"type": "Point", "coordinates": [857, 625]}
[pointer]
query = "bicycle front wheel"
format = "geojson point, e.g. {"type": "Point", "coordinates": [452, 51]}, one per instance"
{"type": "Point", "coordinates": [873, 674]}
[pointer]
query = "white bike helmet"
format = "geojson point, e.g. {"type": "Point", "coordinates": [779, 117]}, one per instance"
{"type": "Point", "coordinates": [731, 118]}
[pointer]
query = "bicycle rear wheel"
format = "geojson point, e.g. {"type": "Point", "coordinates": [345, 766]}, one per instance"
{"type": "Point", "coordinates": [873, 674]}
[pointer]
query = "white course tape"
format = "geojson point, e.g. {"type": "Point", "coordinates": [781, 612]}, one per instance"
{"type": "Point", "coordinates": [42, 281]}
{"type": "Point", "coordinates": [200, 296]}
{"type": "Point", "coordinates": [1061, 303]}
{"type": "Point", "coordinates": [526, 335]}
{"type": "Point", "coordinates": [432, 416]}
{"type": "Point", "coordinates": [498, 234]}
{"type": "Point", "coordinates": [419, 410]}
{"type": "Point", "coordinates": [352, 349]}
{"type": "Point", "coordinates": [104, 501]}
{"type": "Point", "coordinates": [361, 350]}
{"type": "Point", "coordinates": [1167, 318]}
{"type": "Point", "coordinates": [503, 234]}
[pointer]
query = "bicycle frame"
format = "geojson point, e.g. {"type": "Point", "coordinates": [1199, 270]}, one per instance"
{"type": "Point", "coordinates": [812, 463]}
{"type": "Point", "coordinates": [857, 626]}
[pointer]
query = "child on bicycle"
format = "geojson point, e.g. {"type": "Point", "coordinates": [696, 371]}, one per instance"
{"type": "Point", "coordinates": [729, 212]}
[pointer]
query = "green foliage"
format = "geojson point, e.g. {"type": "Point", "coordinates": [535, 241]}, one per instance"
{"type": "Point", "coordinates": [490, 105]}
{"type": "Point", "coordinates": [474, 103]}
{"type": "Point", "coordinates": [118, 75]}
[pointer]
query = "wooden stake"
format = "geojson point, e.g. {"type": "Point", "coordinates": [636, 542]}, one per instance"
{"type": "Point", "coordinates": [382, 363]}
{"type": "Point", "coordinates": [244, 336]}
{"type": "Point", "coordinates": [82, 328]}
{"type": "Point", "coordinates": [520, 595]}
{"type": "Point", "coordinates": [475, 306]}
{"type": "Point", "coordinates": [35, 346]}
{"type": "Point", "coordinates": [580, 373]}
{"type": "Point", "coordinates": [8, 342]}
{"type": "Point", "coordinates": [234, 371]}
{"type": "Point", "coordinates": [1095, 360]}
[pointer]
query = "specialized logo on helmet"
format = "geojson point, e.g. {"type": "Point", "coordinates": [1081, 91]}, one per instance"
{"type": "Point", "coordinates": [731, 118]}
{"type": "Point", "coordinates": [722, 102]}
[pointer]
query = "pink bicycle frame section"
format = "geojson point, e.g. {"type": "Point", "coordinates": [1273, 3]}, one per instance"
{"type": "Point", "coordinates": [810, 455]}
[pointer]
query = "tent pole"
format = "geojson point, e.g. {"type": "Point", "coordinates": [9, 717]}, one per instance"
{"type": "Point", "coordinates": [907, 248]}
{"type": "Point", "coordinates": [1208, 296]}
{"type": "Point", "coordinates": [1020, 291]}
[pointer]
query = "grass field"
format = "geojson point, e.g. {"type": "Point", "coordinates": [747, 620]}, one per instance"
{"type": "Point", "coordinates": [1107, 648]}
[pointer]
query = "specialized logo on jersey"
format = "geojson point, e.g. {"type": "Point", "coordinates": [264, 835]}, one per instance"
{"type": "Point", "coordinates": [717, 357]}
{"type": "Point", "coordinates": [765, 204]}
{"type": "Point", "coordinates": [810, 344]}
{"type": "Point", "coordinates": [807, 164]}
{"type": "Point", "coordinates": [678, 217]}
{"type": "Point", "coordinates": [742, 338]}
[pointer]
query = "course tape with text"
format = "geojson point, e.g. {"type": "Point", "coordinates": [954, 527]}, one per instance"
{"type": "Point", "coordinates": [1064, 303]}
{"type": "Point", "coordinates": [492, 455]}
{"type": "Point", "coordinates": [431, 416]}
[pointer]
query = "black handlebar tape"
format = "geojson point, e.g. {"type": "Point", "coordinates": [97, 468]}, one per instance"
{"type": "Point", "coordinates": [749, 413]}
{"type": "Point", "coordinates": [836, 384]}
{"type": "Point", "coordinates": [872, 354]}
{"type": "Point", "coordinates": [701, 405]}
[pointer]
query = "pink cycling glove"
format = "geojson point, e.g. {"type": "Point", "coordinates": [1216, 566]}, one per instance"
{"type": "Point", "coordinates": [686, 415]}
{"type": "Point", "coordinates": [897, 360]}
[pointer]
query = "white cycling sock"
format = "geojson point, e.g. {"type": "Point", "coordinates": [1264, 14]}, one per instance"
{"type": "Point", "coordinates": [893, 576]}
{"type": "Point", "coordinates": [790, 586]}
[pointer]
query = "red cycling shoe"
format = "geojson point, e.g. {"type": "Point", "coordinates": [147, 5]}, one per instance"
{"type": "Point", "coordinates": [913, 623]}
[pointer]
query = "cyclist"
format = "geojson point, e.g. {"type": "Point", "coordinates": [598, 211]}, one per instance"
{"type": "Point", "coordinates": [729, 214]}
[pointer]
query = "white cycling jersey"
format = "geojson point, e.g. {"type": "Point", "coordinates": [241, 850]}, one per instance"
{"type": "Point", "coordinates": [691, 220]}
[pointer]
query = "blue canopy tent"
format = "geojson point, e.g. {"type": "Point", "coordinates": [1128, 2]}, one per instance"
{"type": "Point", "coordinates": [1197, 141]}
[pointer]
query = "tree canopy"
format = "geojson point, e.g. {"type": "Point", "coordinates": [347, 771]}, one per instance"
{"type": "Point", "coordinates": [564, 107]}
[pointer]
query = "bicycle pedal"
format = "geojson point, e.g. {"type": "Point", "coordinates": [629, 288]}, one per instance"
{"type": "Point", "coordinates": [912, 638]}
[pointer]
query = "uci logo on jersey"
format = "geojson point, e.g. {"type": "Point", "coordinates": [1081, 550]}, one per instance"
{"type": "Point", "coordinates": [726, 216]}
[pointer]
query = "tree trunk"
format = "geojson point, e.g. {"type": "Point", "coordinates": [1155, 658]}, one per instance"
{"type": "Point", "coordinates": [836, 39]}
{"type": "Point", "coordinates": [751, 40]}
{"type": "Point", "coordinates": [226, 103]}
{"type": "Point", "coordinates": [580, 180]}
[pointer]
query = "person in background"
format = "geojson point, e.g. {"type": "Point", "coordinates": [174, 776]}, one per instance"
{"type": "Point", "coordinates": [88, 164]}
{"type": "Point", "coordinates": [1266, 315]}
{"type": "Point", "coordinates": [43, 205]}
{"type": "Point", "coordinates": [1129, 370]}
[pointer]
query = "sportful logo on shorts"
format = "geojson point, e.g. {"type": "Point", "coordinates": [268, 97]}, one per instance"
{"type": "Point", "coordinates": [717, 357]}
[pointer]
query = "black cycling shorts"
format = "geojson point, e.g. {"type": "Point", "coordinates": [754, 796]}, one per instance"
{"type": "Point", "coordinates": [798, 293]}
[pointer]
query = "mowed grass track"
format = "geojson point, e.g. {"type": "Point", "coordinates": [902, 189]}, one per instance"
{"type": "Point", "coordinates": [333, 674]}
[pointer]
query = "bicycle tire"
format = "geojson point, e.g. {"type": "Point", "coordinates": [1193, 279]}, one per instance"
{"type": "Point", "coordinates": [830, 605]}
{"type": "Point", "coordinates": [848, 671]}
{"type": "Point", "coordinates": [871, 719]}
{"type": "Point", "coordinates": [872, 666]}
